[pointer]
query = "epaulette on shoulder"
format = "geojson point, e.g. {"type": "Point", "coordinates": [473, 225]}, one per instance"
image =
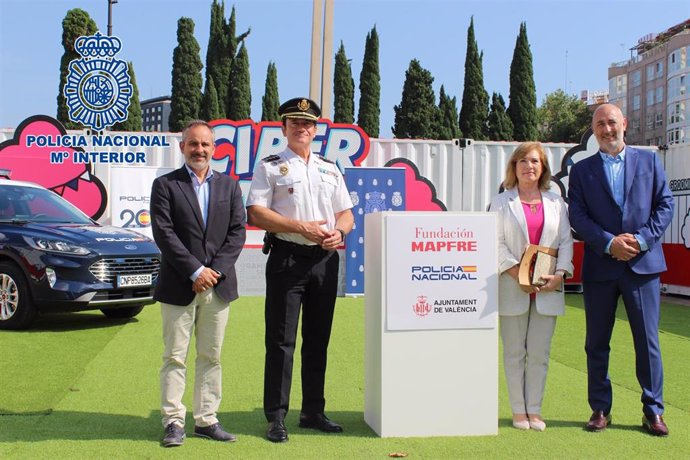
{"type": "Point", "coordinates": [270, 158]}
{"type": "Point", "coordinates": [326, 160]}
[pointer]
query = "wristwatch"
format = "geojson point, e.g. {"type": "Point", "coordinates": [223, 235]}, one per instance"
{"type": "Point", "coordinates": [342, 235]}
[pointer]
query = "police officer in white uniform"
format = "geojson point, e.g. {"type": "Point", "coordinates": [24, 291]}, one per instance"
{"type": "Point", "coordinates": [300, 199]}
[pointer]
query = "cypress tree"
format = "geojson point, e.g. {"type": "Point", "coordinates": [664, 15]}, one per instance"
{"type": "Point", "coordinates": [270, 101]}
{"type": "Point", "coordinates": [186, 77]}
{"type": "Point", "coordinates": [499, 126]}
{"type": "Point", "coordinates": [133, 122]}
{"type": "Point", "coordinates": [523, 93]}
{"type": "Point", "coordinates": [475, 99]}
{"type": "Point", "coordinates": [446, 126]}
{"type": "Point", "coordinates": [218, 57]}
{"type": "Point", "coordinates": [210, 109]}
{"type": "Point", "coordinates": [240, 91]}
{"type": "Point", "coordinates": [343, 89]}
{"type": "Point", "coordinates": [370, 87]}
{"type": "Point", "coordinates": [76, 23]}
{"type": "Point", "coordinates": [233, 42]}
{"type": "Point", "coordinates": [416, 115]}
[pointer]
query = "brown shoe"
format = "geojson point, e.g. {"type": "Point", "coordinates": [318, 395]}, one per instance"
{"type": "Point", "coordinates": [598, 421]}
{"type": "Point", "coordinates": [655, 425]}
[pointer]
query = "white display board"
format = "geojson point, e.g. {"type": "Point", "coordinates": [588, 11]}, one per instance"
{"type": "Point", "coordinates": [439, 377]}
{"type": "Point", "coordinates": [444, 270]}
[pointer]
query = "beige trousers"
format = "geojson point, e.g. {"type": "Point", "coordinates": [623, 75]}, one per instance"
{"type": "Point", "coordinates": [526, 348]}
{"type": "Point", "coordinates": [207, 316]}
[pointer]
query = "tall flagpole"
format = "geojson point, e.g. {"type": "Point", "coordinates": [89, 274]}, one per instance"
{"type": "Point", "coordinates": [321, 68]}
{"type": "Point", "coordinates": [327, 63]}
{"type": "Point", "coordinates": [316, 51]}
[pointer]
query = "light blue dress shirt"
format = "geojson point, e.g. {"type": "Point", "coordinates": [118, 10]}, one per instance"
{"type": "Point", "coordinates": [615, 174]}
{"type": "Point", "coordinates": [203, 191]}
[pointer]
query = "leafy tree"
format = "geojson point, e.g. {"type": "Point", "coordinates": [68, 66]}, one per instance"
{"type": "Point", "coordinates": [133, 122]}
{"type": "Point", "coordinates": [240, 91]}
{"type": "Point", "coordinates": [210, 109]}
{"type": "Point", "coordinates": [270, 102]}
{"type": "Point", "coordinates": [446, 126]}
{"type": "Point", "coordinates": [415, 117]}
{"type": "Point", "coordinates": [562, 118]}
{"type": "Point", "coordinates": [475, 99]}
{"type": "Point", "coordinates": [499, 126]}
{"type": "Point", "coordinates": [233, 42]}
{"type": "Point", "coordinates": [343, 89]}
{"type": "Point", "coordinates": [218, 58]}
{"type": "Point", "coordinates": [186, 77]}
{"type": "Point", "coordinates": [370, 87]}
{"type": "Point", "coordinates": [76, 23]}
{"type": "Point", "coordinates": [523, 93]}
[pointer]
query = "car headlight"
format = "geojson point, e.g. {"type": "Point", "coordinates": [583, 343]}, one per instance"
{"type": "Point", "coordinates": [61, 247]}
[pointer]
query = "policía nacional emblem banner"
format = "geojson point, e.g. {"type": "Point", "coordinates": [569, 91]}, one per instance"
{"type": "Point", "coordinates": [371, 190]}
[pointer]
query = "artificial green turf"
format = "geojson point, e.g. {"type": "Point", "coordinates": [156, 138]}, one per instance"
{"type": "Point", "coordinates": [39, 366]}
{"type": "Point", "coordinates": [106, 403]}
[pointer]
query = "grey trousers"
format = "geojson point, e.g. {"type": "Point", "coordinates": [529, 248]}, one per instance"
{"type": "Point", "coordinates": [526, 348]}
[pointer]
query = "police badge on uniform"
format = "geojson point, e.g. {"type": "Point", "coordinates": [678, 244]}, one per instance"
{"type": "Point", "coordinates": [98, 89]}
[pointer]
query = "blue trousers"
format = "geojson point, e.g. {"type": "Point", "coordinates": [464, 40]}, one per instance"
{"type": "Point", "coordinates": [640, 295]}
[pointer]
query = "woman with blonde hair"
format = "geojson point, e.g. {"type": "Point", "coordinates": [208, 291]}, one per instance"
{"type": "Point", "coordinates": [528, 213]}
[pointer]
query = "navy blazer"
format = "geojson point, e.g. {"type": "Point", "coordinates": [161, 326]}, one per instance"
{"type": "Point", "coordinates": [186, 244]}
{"type": "Point", "coordinates": [596, 217]}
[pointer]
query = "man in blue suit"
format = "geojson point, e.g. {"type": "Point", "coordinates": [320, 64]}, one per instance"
{"type": "Point", "coordinates": [620, 205]}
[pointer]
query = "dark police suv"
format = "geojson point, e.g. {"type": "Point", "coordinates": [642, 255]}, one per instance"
{"type": "Point", "coordinates": [55, 258]}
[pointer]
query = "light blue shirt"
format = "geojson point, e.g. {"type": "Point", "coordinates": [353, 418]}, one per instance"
{"type": "Point", "coordinates": [615, 174]}
{"type": "Point", "coordinates": [203, 191]}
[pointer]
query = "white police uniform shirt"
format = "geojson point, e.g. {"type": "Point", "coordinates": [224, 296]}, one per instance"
{"type": "Point", "coordinates": [309, 191]}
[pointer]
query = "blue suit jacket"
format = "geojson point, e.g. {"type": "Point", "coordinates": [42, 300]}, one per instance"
{"type": "Point", "coordinates": [596, 217]}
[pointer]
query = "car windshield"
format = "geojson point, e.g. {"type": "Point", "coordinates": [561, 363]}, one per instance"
{"type": "Point", "coordinates": [31, 204]}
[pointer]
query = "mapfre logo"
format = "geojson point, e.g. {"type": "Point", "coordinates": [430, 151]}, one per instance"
{"type": "Point", "coordinates": [422, 307]}
{"type": "Point", "coordinates": [98, 89]}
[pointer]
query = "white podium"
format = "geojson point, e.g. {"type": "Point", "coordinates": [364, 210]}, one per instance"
{"type": "Point", "coordinates": [431, 340]}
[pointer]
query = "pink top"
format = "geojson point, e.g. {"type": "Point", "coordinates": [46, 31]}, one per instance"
{"type": "Point", "coordinates": [534, 215]}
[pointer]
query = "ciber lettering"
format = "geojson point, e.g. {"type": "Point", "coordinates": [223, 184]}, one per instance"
{"type": "Point", "coordinates": [442, 273]}
{"type": "Point", "coordinates": [421, 233]}
{"type": "Point", "coordinates": [678, 185]}
{"type": "Point", "coordinates": [113, 140]}
{"type": "Point", "coordinates": [447, 246]}
{"type": "Point", "coordinates": [345, 145]}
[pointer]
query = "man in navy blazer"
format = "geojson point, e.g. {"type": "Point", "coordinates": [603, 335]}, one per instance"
{"type": "Point", "coordinates": [620, 205]}
{"type": "Point", "coordinates": [198, 222]}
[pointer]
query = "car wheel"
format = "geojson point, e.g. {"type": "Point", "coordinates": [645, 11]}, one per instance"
{"type": "Point", "coordinates": [17, 311]}
{"type": "Point", "coordinates": [124, 312]}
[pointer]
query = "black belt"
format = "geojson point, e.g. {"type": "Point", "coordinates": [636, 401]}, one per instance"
{"type": "Point", "coordinates": [313, 251]}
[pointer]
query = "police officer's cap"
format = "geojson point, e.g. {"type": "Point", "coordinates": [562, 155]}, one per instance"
{"type": "Point", "coordinates": [300, 107]}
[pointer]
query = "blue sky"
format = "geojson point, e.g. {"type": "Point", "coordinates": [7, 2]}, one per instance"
{"type": "Point", "coordinates": [592, 34]}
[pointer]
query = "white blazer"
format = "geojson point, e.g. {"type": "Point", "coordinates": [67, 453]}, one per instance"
{"type": "Point", "coordinates": [512, 241]}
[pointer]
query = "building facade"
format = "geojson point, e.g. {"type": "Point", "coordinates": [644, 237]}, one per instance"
{"type": "Point", "coordinates": [155, 113]}
{"type": "Point", "coordinates": [652, 88]}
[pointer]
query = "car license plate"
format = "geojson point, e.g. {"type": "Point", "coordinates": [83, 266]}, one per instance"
{"type": "Point", "coordinates": [134, 280]}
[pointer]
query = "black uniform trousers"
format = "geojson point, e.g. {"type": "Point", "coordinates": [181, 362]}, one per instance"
{"type": "Point", "coordinates": [307, 277]}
